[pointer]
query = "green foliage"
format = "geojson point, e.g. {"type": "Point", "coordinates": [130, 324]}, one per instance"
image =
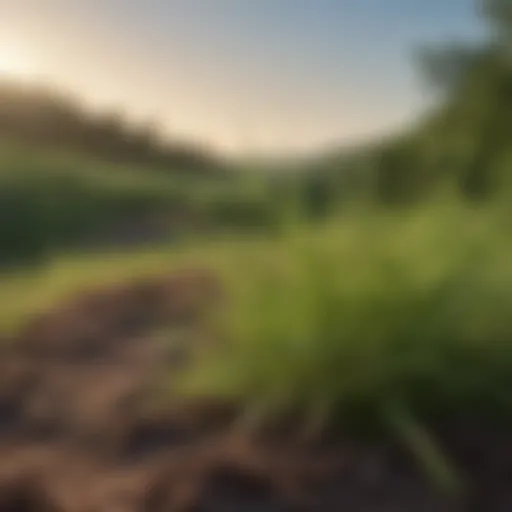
{"type": "Point", "coordinates": [42, 211]}
{"type": "Point", "coordinates": [463, 143]}
{"type": "Point", "coordinates": [241, 211]}
{"type": "Point", "coordinates": [499, 14]}
{"type": "Point", "coordinates": [53, 202]}
{"type": "Point", "coordinates": [22, 223]}
{"type": "Point", "coordinates": [370, 312]}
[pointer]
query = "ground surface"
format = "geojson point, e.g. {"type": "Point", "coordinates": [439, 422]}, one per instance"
{"type": "Point", "coordinates": [81, 429]}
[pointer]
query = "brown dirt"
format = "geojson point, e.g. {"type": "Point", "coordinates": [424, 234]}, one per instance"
{"type": "Point", "coordinates": [77, 434]}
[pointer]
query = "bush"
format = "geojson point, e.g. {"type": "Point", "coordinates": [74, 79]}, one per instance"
{"type": "Point", "coordinates": [45, 212]}
{"type": "Point", "coordinates": [23, 223]}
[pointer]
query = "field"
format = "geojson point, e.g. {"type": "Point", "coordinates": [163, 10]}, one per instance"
{"type": "Point", "coordinates": [186, 332]}
{"type": "Point", "coordinates": [56, 201]}
{"type": "Point", "coordinates": [375, 325]}
{"type": "Point", "coordinates": [420, 287]}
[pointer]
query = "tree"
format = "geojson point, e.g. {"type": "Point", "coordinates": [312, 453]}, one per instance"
{"type": "Point", "coordinates": [499, 15]}
{"type": "Point", "coordinates": [475, 86]}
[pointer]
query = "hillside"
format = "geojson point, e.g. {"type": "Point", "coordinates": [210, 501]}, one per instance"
{"type": "Point", "coordinates": [59, 200]}
{"type": "Point", "coordinates": [40, 116]}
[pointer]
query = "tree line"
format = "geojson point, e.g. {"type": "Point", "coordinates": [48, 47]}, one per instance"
{"type": "Point", "coordinates": [464, 143]}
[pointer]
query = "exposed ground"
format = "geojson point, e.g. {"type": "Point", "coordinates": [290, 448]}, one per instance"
{"type": "Point", "coordinates": [82, 427]}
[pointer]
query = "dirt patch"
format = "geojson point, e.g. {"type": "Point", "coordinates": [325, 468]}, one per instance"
{"type": "Point", "coordinates": [76, 433]}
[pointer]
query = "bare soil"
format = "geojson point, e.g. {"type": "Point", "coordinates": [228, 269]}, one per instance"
{"type": "Point", "coordinates": [80, 430]}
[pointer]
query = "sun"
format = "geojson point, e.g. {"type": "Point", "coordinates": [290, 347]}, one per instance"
{"type": "Point", "coordinates": [14, 63]}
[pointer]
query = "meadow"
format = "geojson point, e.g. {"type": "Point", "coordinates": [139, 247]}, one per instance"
{"type": "Point", "coordinates": [361, 312]}
{"type": "Point", "coordinates": [371, 323]}
{"type": "Point", "coordinates": [368, 293]}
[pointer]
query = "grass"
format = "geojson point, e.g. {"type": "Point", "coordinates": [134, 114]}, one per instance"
{"type": "Point", "coordinates": [348, 321]}
{"type": "Point", "coordinates": [29, 290]}
{"type": "Point", "coordinates": [380, 319]}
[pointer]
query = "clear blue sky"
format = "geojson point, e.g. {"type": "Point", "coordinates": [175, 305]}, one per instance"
{"type": "Point", "coordinates": [259, 74]}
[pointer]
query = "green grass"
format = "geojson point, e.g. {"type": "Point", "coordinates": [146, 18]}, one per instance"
{"type": "Point", "coordinates": [348, 320]}
{"type": "Point", "coordinates": [30, 290]}
{"type": "Point", "coordinates": [380, 319]}
{"type": "Point", "coordinates": [371, 312]}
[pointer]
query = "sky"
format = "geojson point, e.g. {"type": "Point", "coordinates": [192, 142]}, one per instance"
{"type": "Point", "coordinates": [240, 75]}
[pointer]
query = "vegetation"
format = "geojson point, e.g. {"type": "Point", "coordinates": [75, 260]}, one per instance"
{"type": "Point", "coordinates": [463, 143]}
{"type": "Point", "coordinates": [393, 308]}
{"type": "Point", "coordinates": [41, 116]}
{"type": "Point", "coordinates": [375, 314]}
{"type": "Point", "coordinates": [53, 201]}
{"type": "Point", "coordinates": [419, 317]}
{"type": "Point", "coordinates": [419, 321]}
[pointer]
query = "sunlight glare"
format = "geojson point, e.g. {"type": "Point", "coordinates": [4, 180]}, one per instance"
{"type": "Point", "coordinates": [14, 63]}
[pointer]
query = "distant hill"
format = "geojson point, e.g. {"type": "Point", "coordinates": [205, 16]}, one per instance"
{"type": "Point", "coordinates": [42, 116]}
